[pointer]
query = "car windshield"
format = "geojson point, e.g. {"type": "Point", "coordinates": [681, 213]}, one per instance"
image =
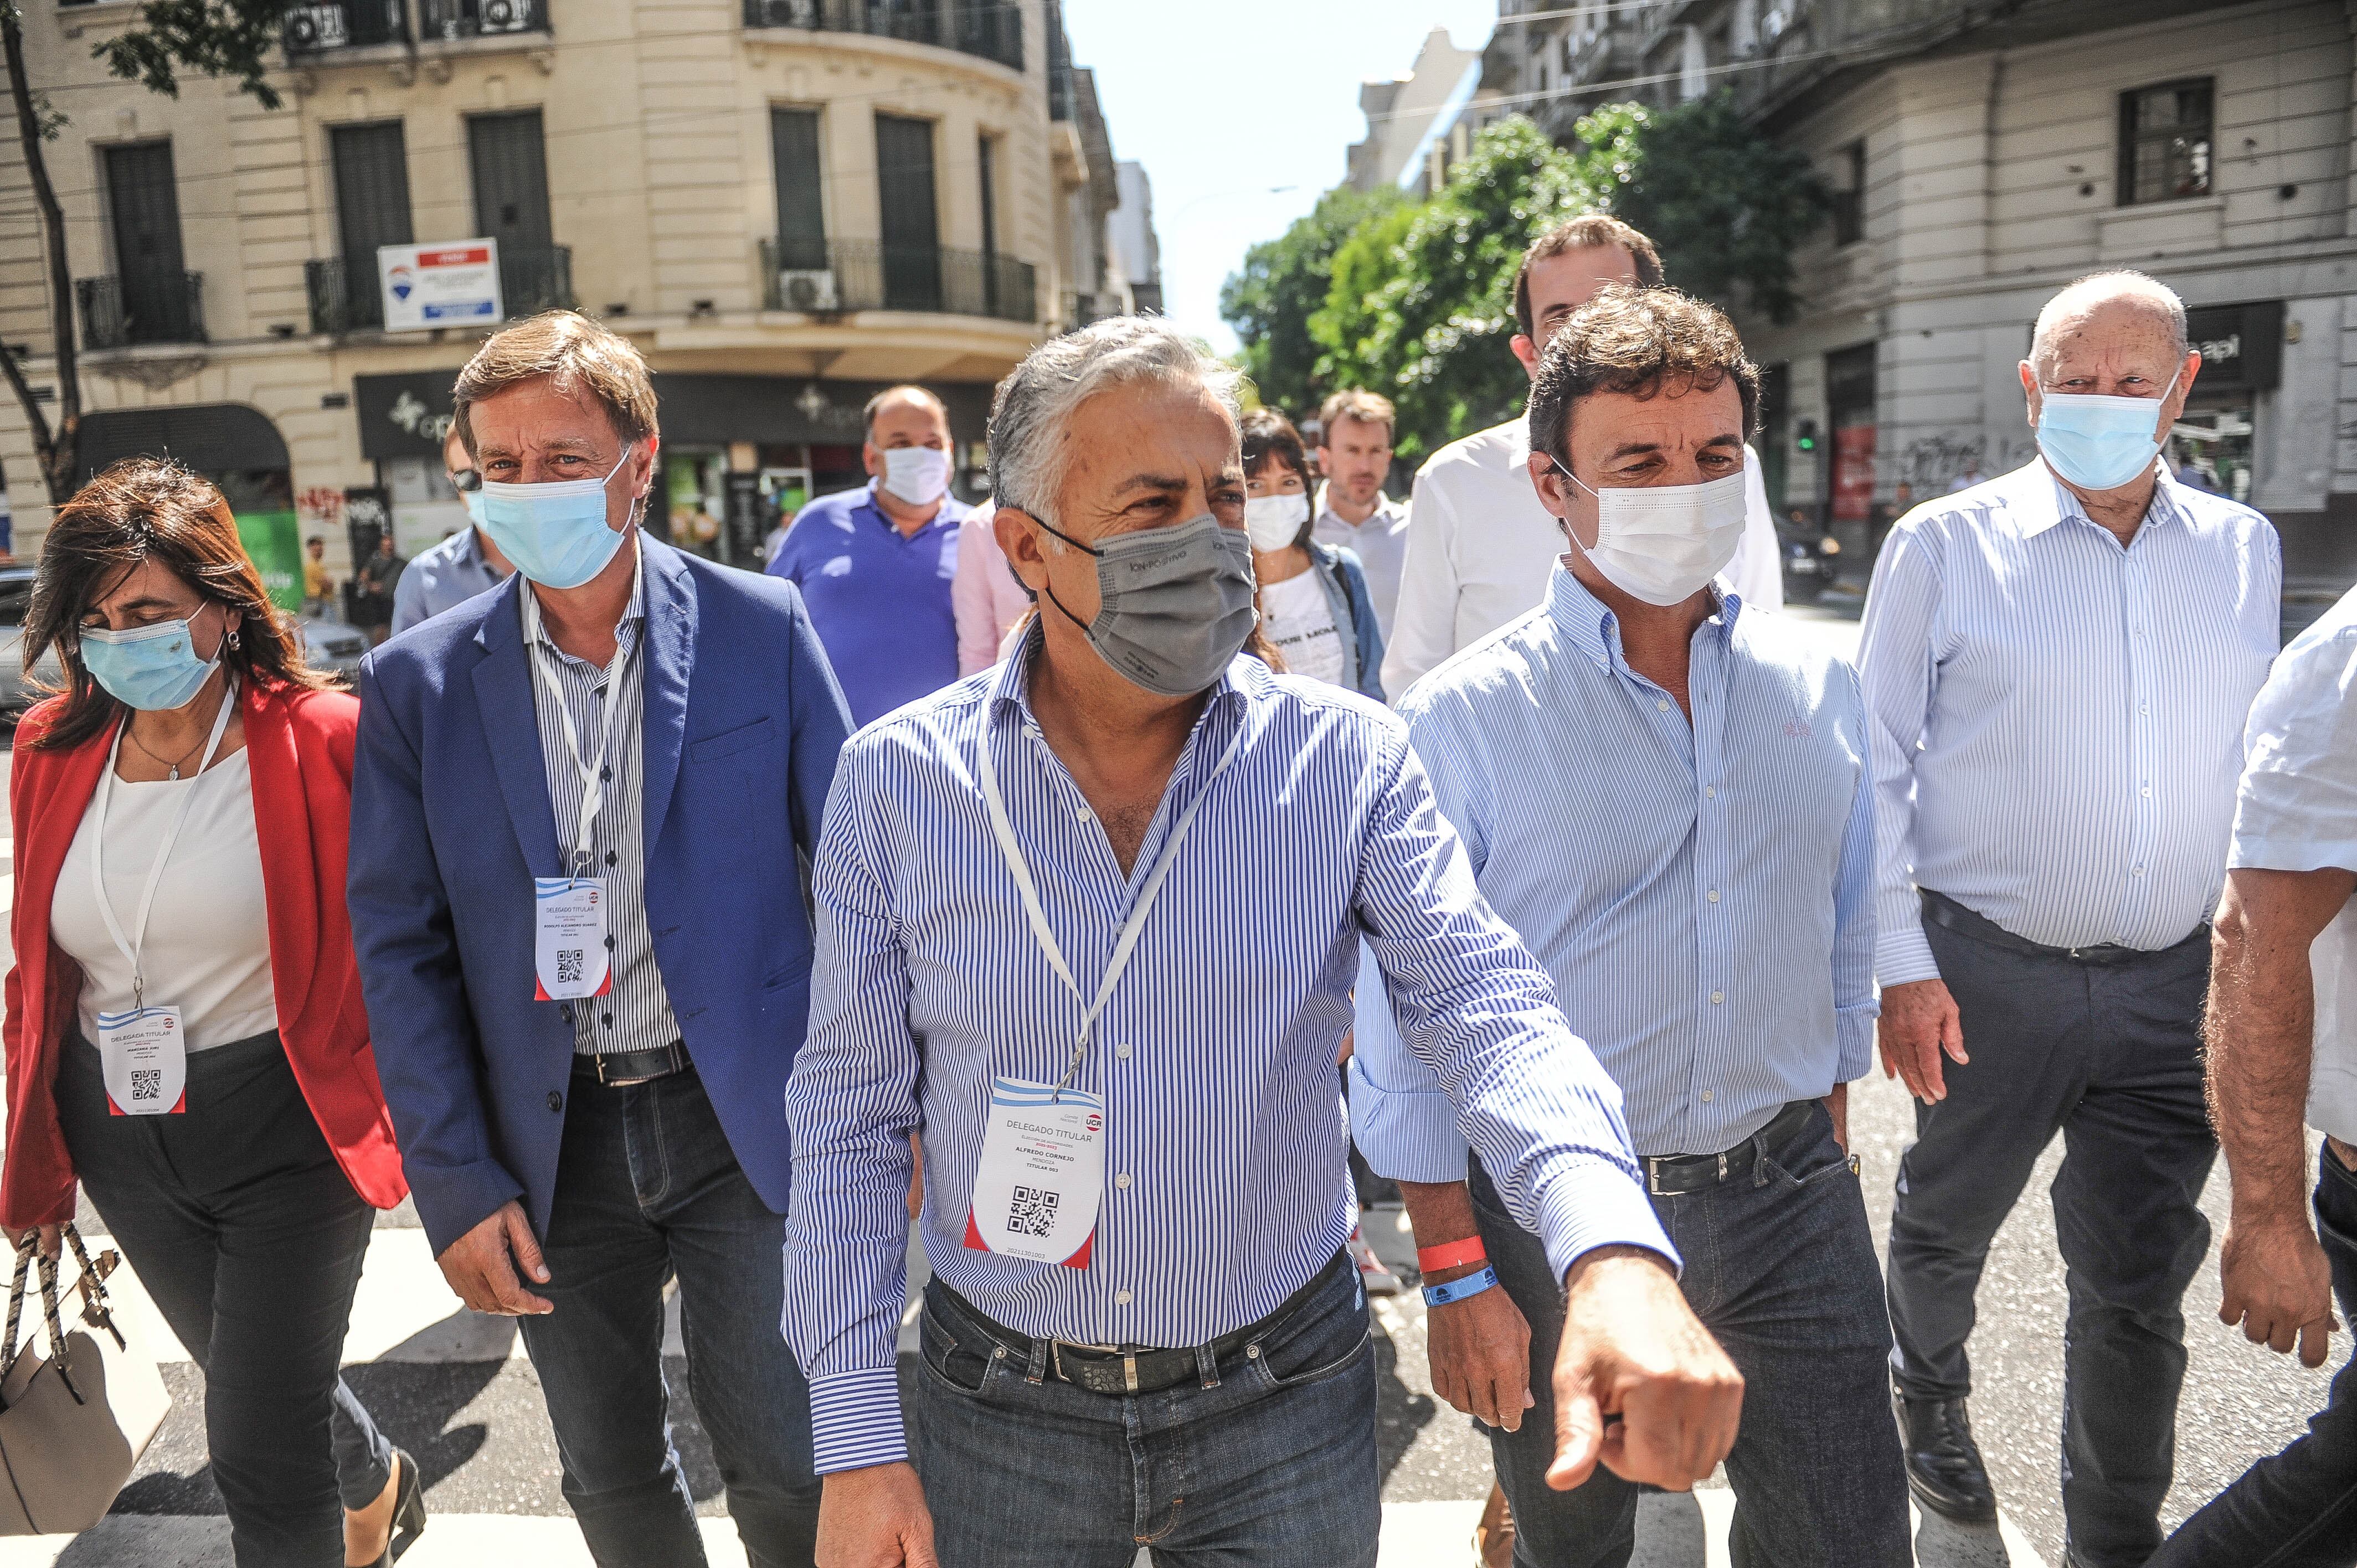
{"type": "Point", "coordinates": [16, 599]}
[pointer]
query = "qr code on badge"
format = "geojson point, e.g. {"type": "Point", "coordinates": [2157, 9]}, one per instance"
{"type": "Point", "coordinates": [1033, 1212]}
{"type": "Point", "coordinates": [568, 966]}
{"type": "Point", "coordinates": [146, 1083]}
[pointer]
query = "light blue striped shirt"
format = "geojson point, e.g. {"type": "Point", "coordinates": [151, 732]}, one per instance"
{"type": "Point", "coordinates": [1225, 1188]}
{"type": "Point", "coordinates": [1702, 893]}
{"type": "Point", "coordinates": [2057, 720]}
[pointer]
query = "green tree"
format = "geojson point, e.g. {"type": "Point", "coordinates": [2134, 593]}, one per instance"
{"type": "Point", "coordinates": [1269, 301]}
{"type": "Point", "coordinates": [1725, 206]}
{"type": "Point", "coordinates": [1420, 306]}
{"type": "Point", "coordinates": [218, 37]}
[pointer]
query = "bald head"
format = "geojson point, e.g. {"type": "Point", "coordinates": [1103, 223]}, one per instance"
{"type": "Point", "coordinates": [898, 404]}
{"type": "Point", "coordinates": [2113, 307]}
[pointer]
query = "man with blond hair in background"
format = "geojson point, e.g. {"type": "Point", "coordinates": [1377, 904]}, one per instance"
{"type": "Point", "coordinates": [1355, 454]}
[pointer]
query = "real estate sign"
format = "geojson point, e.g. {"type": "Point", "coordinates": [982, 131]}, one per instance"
{"type": "Point", "coordinates": [439, 285]}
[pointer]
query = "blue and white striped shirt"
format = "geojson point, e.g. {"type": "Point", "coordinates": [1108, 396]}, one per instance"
{"type": "Point", "coordinates": [2057, 721]}
{"type": "Point", "coordinates": [1702, 893]}
{"type": "Point", "coordinates": [1225, 1188]}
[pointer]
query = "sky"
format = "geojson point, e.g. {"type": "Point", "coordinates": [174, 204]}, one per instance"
{"type": "Point", "coordinates": [1242, 112]}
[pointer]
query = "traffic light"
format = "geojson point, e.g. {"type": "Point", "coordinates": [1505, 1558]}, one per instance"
{"type": "Point", "coordinates": [1805, 435]}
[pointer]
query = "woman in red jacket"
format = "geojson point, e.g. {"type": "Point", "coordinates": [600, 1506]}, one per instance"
{"type": "Point", "coordinates": [184, 1027]}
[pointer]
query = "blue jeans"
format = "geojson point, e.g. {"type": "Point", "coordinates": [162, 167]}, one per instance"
{"type": "Point", "coordinates": [2298, 1508]}
{"type": "Point", "coordinates": [1268, 1459]}
{"type": "Point", "coordinates": [647, 1189]}
{"type": "Point", "coordinates": [1780, 1266]}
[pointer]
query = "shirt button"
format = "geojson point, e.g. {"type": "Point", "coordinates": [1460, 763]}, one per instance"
{"type": "Point", "coordinates": [610, 857]}
{"type": "Point", "coordinates": [2148, 791]}
{"type": "Point", "coordinates": [609, 941]}
{"type": "Point", "coordinates": [2136, 871]}
{"type": "Point", "coordinates": [1122, 1181]}
{"type": "Point", "coordinates": [1706, 1097]}
{"type": "Point", "coordinates": [1717, 997]}
{"type": "Point", "coordinates": [1083, 813]}
{"type": "Point", "coordinates": [555, 1101]}
{"type": "Point", "coordinates": [606, 1019]}
{"type": "Point", "coordinates": [605, 775]}
{"type": "Point", "coordinates": [1713, 895]}
{"type": "Point", "coordinates": [1121, 1050]}
{"type": "Point", "coordinates": [1662, 704]}
{"type": "Point", "coordinates": [1711, 792]}
{"type": "Point", "coordinates": [1121, 1298]}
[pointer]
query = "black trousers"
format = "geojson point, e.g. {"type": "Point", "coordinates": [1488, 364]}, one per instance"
{"type": "Point", "coordinates": [2109, 1055]}
{"type": "Point", "coordinates": [244, 1229]}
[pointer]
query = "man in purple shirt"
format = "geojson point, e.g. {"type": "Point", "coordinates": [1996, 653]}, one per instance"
{"type": "Point", "coordinates": [875, 566]}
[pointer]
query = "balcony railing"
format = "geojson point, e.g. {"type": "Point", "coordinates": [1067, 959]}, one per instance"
{"type": "Point", "coordinates": [155, 307]}
{"type": "Point", "coordinates": [320, 27]}
{"type": "Point", "coordinates": [989, 29]}
{"type": "Point", "coordinates": [452, 20]}
{"type": "Point", "coordinates": [824, 278]}
{"type": "Point", "coordinates": [344, 298]}
{"type": "Point", "coordinates": [532, 281]}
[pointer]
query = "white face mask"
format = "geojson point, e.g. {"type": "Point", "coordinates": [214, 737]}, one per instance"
{"type": "Point", "coordinates": [1275, 521]}
{"type": "Point", "coordinates": [917, 475]}
{"type": "Point", "coordinates": [1662, 543]}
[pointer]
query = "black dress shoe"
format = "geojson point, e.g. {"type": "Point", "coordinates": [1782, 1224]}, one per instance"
{"type": "Point", "coordinates": [1943, 1463]}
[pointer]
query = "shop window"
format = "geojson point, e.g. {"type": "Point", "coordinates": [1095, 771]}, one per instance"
{"type": "Point", "coordinates": [1849, 196]}
{"type": "Point", "coordinates": [2165, 142]}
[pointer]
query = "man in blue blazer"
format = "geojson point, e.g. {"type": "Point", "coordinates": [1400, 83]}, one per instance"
{"type": "Point", "coordinates": [579, 806]}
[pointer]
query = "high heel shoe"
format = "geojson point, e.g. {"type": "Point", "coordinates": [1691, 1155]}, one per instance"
{"type": "Point", "coordinates": [408, 1511]}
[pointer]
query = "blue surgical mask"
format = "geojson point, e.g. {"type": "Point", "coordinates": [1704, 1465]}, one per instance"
{"type": "Point", "coordinates": [556, 534]}
{"type": "Point", "coordinates": [152, 668]}
{"type": "Point", "coordinates": [2101, 443]}
{"type": "Point", "coordinates": [474, 499]}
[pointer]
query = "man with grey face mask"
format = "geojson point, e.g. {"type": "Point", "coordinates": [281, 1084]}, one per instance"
{"type": "Point", "coordinates": [1044, 946]}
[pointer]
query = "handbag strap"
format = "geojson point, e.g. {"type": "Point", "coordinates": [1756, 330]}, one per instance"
{"type": "Point", "coordinates": [8, 1350]}
{"type": "Point", "coordinates": [29, 1253]}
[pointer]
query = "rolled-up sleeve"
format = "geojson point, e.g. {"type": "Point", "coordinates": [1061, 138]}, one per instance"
{"type": "Point", "coordinates": [1476, 1010]}
{"type": "Point", "coordinates": [851, 1103]}
{"type": "Point", "coordinates": [2297, 807]}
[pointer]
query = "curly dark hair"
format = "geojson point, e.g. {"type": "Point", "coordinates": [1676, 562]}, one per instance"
{"type": "Point", "coordinates": [1269, 435]}
{"type": "Point", "coordinates": [147, 509]}
{"type": "Point", "coordinates": [1640, 340]}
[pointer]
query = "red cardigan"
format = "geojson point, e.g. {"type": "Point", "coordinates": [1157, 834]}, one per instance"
{"type": "Point", "coordinates": [300, 747]}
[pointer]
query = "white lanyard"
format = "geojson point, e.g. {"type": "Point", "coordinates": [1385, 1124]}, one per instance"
{"type": "Point", "coordinates": [133, 945]}
{"type": "Point", "coordinates": [593, 783]}
{"type": "Point", "coordinates": [1004, 831]}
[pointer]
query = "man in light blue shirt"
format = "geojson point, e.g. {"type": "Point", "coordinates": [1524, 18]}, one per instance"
{"type": "Point", "coordinates": [1088, 923]}
{"type": "Point", "coordinates": [2057, 667]}
{"type": "Point", "coordinates": [461, 566]}
{"type": "Point", "coordinates": [1668, 796]}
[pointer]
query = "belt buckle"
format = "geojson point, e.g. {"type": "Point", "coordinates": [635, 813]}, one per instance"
{"type": "Point", "coordinates": [1128, 1364]}
{"type": "Point", "coordinates": [1654, 1179]}
{"type": "Point", "coordinates": [670, 1065]}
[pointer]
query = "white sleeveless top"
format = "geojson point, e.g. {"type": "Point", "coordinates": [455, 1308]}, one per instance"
{"type": "Point", "coordinates": [208, 951]}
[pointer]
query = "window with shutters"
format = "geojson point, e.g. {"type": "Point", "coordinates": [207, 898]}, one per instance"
{"type": "Point", "coordinates": [510, 165]}
{"type": "Point", "coordinates": [371, 171]}
{"type": "Point", "coordinates": [800, 185]}
{"type": "Point", "coordinates": [158, 298]}
{"type": "Point", "coordinates": [912, 227]}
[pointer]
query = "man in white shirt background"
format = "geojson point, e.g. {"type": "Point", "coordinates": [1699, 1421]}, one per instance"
{"type": "Point", "coordinates": [1480, 547]}
{"type": "Point", "coordinates": [2056, 666]}
{"type": "Point", "coordinates": [1355, 454]}
{"type": "Point", "coordinates": [2283, 1050]}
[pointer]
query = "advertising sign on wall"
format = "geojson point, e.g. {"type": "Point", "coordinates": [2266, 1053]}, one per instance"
{"type": "Point", "coordinates": [439, 285]}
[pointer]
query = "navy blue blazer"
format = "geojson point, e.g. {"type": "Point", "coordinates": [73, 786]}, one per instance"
{"type": "Point", "coordinates": [451, 821]}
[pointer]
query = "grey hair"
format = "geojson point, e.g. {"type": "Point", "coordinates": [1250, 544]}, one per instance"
{"type": "Point", "coordinates": [1028, 453]}
{"type": "Point", "coordinates": [2102, 288]}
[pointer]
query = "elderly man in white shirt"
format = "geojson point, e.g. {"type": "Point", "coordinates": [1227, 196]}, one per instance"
{"type": "Point", "coordinates": [1481, 546]}
{"type": "Point", "coordinates": [2057, 667]}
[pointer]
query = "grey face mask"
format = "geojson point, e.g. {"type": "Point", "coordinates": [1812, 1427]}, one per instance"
{"type": "Point", "coordinates": [1177, 603]}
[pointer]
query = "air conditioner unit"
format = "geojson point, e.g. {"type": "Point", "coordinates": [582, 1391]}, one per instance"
{"type": "Point", "coordinates": [506, 16]}
{"type": "Point", "coordinates": [316, 27]}
{"type": "Point", "coordinates": [811, 291]}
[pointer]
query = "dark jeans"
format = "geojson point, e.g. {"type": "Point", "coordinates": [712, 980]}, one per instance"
{"type": "Point", "coordinates": [241, 1225]}
{"type": "Point", "coordinates": [1780, 1266]}
{"type": "Point", "coordinates": [2298, 1508]}
{"type": "Point", "coordinates": [1272, 1464]}
{"type": "Point", "coordinates": [2109, 1055]}
{"type": "Point", "coordinates": [648, 1189]}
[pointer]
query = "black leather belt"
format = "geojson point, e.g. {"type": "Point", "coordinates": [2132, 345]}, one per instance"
{"type": "Point", "coordinates": [1121, 1370]}
{"type": "Point", "coordinates": [1668, 1176]}
{"type": "Point", "coordinates": [1940, 909]}
{"type": "Point", "coordinates": [619, 1069]}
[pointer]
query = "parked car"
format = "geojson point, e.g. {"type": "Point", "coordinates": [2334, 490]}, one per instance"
{"type": "Point", "coordinates": [1810, 566]}
{"type": "Point", "coordinates": [327, 645]}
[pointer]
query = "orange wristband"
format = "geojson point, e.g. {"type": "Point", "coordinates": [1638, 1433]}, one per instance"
{"type": "Point", "coordinates": [1451, 1255]}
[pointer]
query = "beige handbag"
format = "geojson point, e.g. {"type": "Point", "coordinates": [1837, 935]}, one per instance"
{"type": "Point", "coordinates": [74, 1423]}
